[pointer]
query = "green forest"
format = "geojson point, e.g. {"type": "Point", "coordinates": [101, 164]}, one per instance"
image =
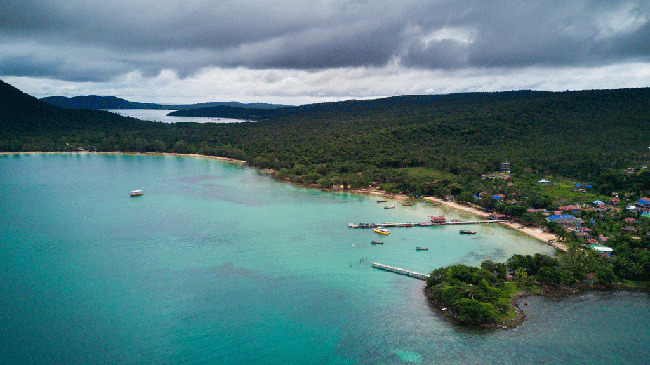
{"type": "Point", "coordinates": [419, 145]}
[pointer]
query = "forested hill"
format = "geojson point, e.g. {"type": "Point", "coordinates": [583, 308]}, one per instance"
{"type": "Point", "coordinates": [112, 102]}
{"type": "Point", "coordinates": [22, 115]}
{"type": "Point", "coordinates": [99, 102]}
{"type": "Point", "coordinates": [566, 132]}
{"type": "Point", "coordinates": [408, 141]}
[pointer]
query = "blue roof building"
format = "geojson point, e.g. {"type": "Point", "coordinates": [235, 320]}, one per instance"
{"type": "Point", "coordinates": [643, 202]}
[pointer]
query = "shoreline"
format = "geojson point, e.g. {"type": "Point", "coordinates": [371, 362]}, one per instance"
{"type": "Point", "coordinates": [559, 292]}
{"type": "Point", "coordinates": [225, 159]}
{"type": "Point", "coordinates": [535, 233]}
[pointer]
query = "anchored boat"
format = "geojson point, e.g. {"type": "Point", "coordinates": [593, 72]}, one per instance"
{"type": "Point", "coordinates": [463, 231]}
{"type": "Point", "coordinates": [421, 249]}
{"type": "Point", "coordinates": [381, 230]}
{"type": "Point", "coordinates": [377, 242]}
{"type": "Point", "coordinates": [136, 193]}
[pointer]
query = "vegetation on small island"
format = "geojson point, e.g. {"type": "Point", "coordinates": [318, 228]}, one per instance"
{"type": "Point", "coordinates": [572, 163]}
{"type": "Point", "coordinates": [487, 296]}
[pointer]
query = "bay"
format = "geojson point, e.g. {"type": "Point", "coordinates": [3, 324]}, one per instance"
{"type": "Point", "coordinates": [156, 115]}
{"type": "Point", "coordinates": [219, 263]}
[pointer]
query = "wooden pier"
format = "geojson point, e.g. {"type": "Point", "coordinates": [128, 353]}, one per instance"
{"type": "Point", "coordinates": [400, 271]}
{"type": "Point", "coordinates": [422, 224]}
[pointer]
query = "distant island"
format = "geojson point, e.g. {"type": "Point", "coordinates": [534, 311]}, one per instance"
{"type": "Point", "coordinates": [112, 102]}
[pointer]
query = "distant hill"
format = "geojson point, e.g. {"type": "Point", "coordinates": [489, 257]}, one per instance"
{"type": "Point", "coordinates": [22, 114]}
{"type": "Point", "coordinates": [98, 102]}
{"type": "Point", "coordinates": [410, 141]}
{"type": "Point", "coordinates": [112, 102]}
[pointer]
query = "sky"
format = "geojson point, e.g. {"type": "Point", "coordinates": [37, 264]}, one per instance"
{"type": "Point", "coordinates": [187, 51]}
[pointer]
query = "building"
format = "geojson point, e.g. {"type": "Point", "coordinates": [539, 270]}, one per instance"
{"type": "Point", "coordinates": [505, 166]}
{"type": "Point", "coordinates": [565, 220]}
{"type": "Point", "coordinates": [643, 203]}
{"type": "Point", "coordinates": [437, 219]}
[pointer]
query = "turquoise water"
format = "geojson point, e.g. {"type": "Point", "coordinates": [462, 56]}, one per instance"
{"type": "Point", "coordinates": [219, 264]}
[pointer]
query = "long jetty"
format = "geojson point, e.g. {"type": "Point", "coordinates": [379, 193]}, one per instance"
{"type": "Point", "coordinates": [400, 271]}
{"type": "Point", "coordinates": [422, 224]}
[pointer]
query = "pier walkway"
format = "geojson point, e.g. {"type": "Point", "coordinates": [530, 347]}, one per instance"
{"type": "Point", "coordinates": [400, 271]}
{"type": "Point", "coordinates": [422, 224]}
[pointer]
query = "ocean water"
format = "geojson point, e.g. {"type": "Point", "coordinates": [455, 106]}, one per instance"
{"type": "Point", "coordinates": [220, 264]}
{"type": "Point", "coordinates": [156, 115]}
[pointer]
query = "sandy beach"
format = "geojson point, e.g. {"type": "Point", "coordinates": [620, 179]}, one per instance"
{"type": "Point", "coordinates": [536, 233]}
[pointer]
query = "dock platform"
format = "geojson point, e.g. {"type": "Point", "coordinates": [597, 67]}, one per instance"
{"type": "Point", "coordinates": [422, 224]}
{"type": "Point", "coordinates": [400, 271]}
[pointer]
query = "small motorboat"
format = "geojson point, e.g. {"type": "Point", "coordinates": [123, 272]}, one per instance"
{"type": "Point", "coordinates": [463, 231]}
{"type": "Point", "coordinates": [421, 249]}
{"type": "Point", "coordinates": [381, 230]}
{"type": "Point", "coordinates": [381, 201]}
{"type": "Point", "coordinates": [376, 242]}
{"type": "Point", "coordinates": [389, 207]}
{"type": "Point", "coordinates": [136, 193]}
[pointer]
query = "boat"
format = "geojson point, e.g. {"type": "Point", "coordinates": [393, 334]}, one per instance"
{"type": "Point", "coordinates": [463, 231]}
{"type": "Point", "coordinates": [381, 201]}
{"type": "Point", "coordinates": [377, 242]}
{"type": "Point", "coordinates": [381, 230]}
{"type": "Point", "coordinates": [389, 207]}
{"type": "Point", "coordinates": [136, 193]}
{"type": "Point", "coordinates": [421, 249]}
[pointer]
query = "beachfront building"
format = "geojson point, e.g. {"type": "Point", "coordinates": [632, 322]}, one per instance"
{"type": "Point", "coordinates": [497, 216]}
{"type": "Point", "coordinates": [437, 219]}
{"type": "Point", "coordinates": [565, 220]}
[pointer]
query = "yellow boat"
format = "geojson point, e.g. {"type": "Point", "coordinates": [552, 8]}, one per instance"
{"type": "Point", "coordinates": [381, 230]}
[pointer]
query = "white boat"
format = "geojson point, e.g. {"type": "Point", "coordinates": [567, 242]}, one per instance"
{"type": "Point", "coordinates": [136, 193]}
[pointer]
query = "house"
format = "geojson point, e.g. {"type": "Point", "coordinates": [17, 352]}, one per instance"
{"type": "Point", "coordinates": [544, 182]}
{"type": "Point", "coordinates": [497, 216]}
{"type": "Point", "coordinates": [607, 251]}
{"type": "Point", "coordinates": [505, 166]}
{"type": "Point", "coordinates": [628, 229]}
{"type": "Point", "coordinates": [643, 203]}
{"type": "Point", "coordinates": [565, 220]}
{"type": "Point", "coordinates": [438, 219]}
{"type": "Point", "coordinates": [569, 208]}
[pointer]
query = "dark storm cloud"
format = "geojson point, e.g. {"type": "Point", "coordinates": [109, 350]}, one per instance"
{"type": "Point", "coordinates": [84, 40]}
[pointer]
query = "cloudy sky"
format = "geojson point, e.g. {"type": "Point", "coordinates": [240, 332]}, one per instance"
{"type": "Point", "coordinates": [278, 51]}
